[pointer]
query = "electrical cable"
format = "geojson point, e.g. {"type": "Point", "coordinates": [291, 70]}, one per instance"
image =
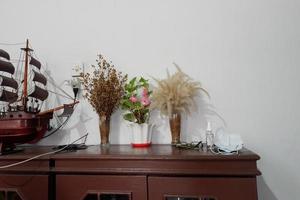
{"type": "Point", "coordinates": [41, 155]}
{"type": "Point", "coordinates": [199, 146]}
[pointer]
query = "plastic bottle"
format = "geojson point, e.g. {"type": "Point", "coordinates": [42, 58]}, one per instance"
{"type": "Point", "coordinates": [209, 136]}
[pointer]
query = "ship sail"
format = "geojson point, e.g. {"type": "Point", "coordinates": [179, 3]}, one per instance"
{"type": "Point", "coordinates": [4, 54]}
{"type": "Point", "coordinates": [8, 96]}
{"type": "Point", "coordinates": [39, 93]}
{"type": "Point", "coordinates": [9, 82]}
{"type": "Point", "coordinates": [7, 67]}
{"type": "Point", "coordinates": [38, 77]}
{"type": "Point", "coordinates": [35, 62]}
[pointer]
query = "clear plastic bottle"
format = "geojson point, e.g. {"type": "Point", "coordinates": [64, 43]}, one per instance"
{"type": "Point", "coordinates": [209, 136]}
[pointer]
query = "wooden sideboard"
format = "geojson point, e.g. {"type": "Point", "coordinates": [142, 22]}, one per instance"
{"type": "Point", "coordinates": [120, 172]}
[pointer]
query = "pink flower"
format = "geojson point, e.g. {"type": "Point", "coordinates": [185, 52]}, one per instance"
{"type": "Point", "coordinates": [133, 99]}
{"type": "Point", "coordinates": [145, 101]}
{"type": "Point", "coordinates": [145, 92]}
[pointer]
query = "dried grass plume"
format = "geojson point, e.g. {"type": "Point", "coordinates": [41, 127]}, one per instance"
{"type": "Point", "coordinates": [176, 93]}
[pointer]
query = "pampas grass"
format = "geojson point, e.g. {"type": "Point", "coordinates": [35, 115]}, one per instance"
{"type": "Point", "coordinates": [176, 94]}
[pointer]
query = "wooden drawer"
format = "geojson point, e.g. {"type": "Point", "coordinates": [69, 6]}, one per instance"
{"type": "Point", "coordinates": [100, 187]}
{"type": "Point", "coordinates": [24, 187]}
{"type": "Point", "coordinates": [210, 188]}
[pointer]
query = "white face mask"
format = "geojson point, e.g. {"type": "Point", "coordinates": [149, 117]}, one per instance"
{"type": "Point", "coordinates": [228, 142]}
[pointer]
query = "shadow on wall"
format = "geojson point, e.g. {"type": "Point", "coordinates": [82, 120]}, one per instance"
{"type": "Point", "coordinates": [63, 136]}
{"type": "Point", "coordinates": [264, 192]}
{"type": "Point", "coordinates": [198, 119]}
{"type": "Point", "coordinates": [116, 134]}
{"type": "Point", "coordinates": [161, 131]}
{"type": "Point", "coordinates": [76, 124]}
{"type": "Point", "coordinates": [192, 126]}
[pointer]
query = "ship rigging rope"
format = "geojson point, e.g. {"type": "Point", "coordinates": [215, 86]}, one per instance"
{"type": "Point", "coordinates": [61, 125]}
{"type": "Point", "coordinates": [16, 60]}
{"type": "Point", "coordinates": [50, 80]}
{"type": "Point", "coordinates": [17, 70]}
{"type": "Point", "coordinates": [41, 155]}
{"type": "Point", "coordinates": [57, 128]}
{"type": "Point", "coordinates": [60, 94]}
{"type": "Point", "coordinates": [10, 44]}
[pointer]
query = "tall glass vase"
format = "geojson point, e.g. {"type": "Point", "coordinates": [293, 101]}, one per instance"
{"type": "Point", "coordinates": [175, 126]}
{"type": "Point", "coordinates": [104, 127]}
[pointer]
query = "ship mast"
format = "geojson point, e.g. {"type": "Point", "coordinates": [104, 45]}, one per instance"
{"type": "Point", "coordinates": [25, 83]}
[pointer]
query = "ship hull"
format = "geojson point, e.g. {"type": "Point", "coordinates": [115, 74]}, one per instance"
{"type": "Point", "coordinates": [22, 127]}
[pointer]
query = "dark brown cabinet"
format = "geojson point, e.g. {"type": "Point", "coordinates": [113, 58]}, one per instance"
{"type": "Point", "coordinates": [28, 181]}
{"type": "Point", "coordinates": [201, 188]}
{"type": "Point", "coordinates": [120, 172]}
{"type": "Point", "coordinates": [23, 187]}
{"type": "Point", "coordinates": [90, 187]}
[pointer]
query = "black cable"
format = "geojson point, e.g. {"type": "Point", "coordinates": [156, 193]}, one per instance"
{"type": "Point", "coordinates": [41, 155]}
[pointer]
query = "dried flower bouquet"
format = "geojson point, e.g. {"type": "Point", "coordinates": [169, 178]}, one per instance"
{"type": "Point", "coordinates": [104, 89]}
{"type": "Point", "coordinates": [175, 95]}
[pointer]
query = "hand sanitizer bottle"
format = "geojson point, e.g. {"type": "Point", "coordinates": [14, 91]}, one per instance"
{"type": "Point", "coordinates": [209, 136]}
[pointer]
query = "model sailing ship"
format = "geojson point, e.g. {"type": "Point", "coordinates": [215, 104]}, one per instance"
{"type": "Point", "coordinates": [21, 117]}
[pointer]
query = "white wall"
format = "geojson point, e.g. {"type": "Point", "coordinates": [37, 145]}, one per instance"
{"type": "Point", "coordinates": [245, 53]}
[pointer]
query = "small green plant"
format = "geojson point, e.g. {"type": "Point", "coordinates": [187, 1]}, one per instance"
{"type": "Point", "coordinates": [136, 101]}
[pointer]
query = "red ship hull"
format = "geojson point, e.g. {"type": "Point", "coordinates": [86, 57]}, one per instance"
{"type": "Point", "coordinates": [22, 127]}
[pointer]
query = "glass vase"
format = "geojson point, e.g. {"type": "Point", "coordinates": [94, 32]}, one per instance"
{"type": "Point", "coordinates": [104, 127]}
{"type": "Point", "coordinates": [175, 126]}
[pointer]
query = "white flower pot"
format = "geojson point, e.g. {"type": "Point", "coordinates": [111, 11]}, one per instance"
{"type": "Point", "coordinates": [141, 134]}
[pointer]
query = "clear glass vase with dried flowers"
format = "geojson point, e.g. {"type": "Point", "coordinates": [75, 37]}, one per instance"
{"type": "Point", "coordinates": [104, 88]}
{"type": "Point", "coordinates": [176, 95]}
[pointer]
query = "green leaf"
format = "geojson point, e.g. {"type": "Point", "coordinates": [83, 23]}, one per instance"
{"type": "Point", "coordinates": [138, 105]}
{"type": "Point", "coordinates": [126, 104]}
{"type": "Point", "coordinates": [129, 117]}
{"type": "Point", "coordinates": [146, 111]}
{"type": "Point", "coordinates": [135, 88]}
{"type": "Point", "coordinates": [132, 81]}
{"type": "Point", "coordinates": [142, 80]}
{"type": "Point", "coordinates": [127, 86]}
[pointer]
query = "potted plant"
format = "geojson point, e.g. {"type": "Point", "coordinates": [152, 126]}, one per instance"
{"type": "Point", "coordinates": [176, 95]}
{"type": "Point", "coordinates": [104, 88]}
{"type": "Point", "coordinates": [136, 103]}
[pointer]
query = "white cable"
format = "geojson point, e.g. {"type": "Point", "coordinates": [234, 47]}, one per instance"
{"type": "Point", "coordinates": [41, 155]}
